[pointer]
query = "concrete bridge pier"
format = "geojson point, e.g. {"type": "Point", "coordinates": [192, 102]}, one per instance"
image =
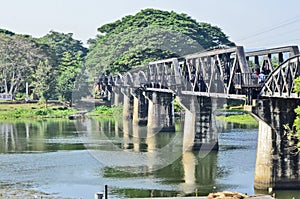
{"type": "Point", "coordinates": [277, 164]}
{"type": "Point", "coordinates": [199, 123]}
{"type": "Point", "coordinates": [140, 107]}
{"type": "Point", "coordinates": [160, 112]}
{"type": "Point", "coordinates": [117, 96]}
{"type": "Point", "coordinates": [127, 104]}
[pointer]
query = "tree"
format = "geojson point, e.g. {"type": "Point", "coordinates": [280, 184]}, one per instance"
{"type": "Point", "coordinates": [19, 57]}
{"type": "Point", "coordinates": [59, 43]}
{"type": "Point", "coordinates": [68, 55]}
{"type": "Point", "coordinates": [69, 67]}
{"type": "Point", "coordinates": [275, 62]}
{"type": "Point", "coordinates": [7, 32]}
{"type": "Point", "coordinates": [147, 36]}
{"type": "Point", "coordinates": [44, 81]}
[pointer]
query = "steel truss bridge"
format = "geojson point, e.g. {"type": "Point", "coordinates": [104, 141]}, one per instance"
{"type": "Point", "coordinates": [225, 73]}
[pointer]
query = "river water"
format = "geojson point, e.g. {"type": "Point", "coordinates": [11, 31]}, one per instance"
{"type": "Point", "coordinates": [76, 159]}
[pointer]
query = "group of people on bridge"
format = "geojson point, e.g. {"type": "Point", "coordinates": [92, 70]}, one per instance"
{"type": "Point", "coordinates": [260, 75]}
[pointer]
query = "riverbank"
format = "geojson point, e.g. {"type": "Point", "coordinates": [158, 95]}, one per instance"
{"type": "Point", "coordinates": [21, 194]}
{"type": "Point", "coordinates": [237, 116]}
{"type": "Point", "coordinates": [34, 110]}
{"type": "Point", "coordinates": [59, 110]}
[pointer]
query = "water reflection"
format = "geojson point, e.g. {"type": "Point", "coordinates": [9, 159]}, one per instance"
{"type": "Point", "coordinates": [141, 152]}
{"type": "Point", "coordinates": [145, 147]}
{"type": "Point", "coordinates": [133, 161]}
{"type": "Point", "coordinates": [199, 173]}
{"type": "Point", "coordinates": [38, 136]}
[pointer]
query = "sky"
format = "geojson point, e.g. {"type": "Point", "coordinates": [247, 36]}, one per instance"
{"type": "Point", "coordinates": [249, 23]}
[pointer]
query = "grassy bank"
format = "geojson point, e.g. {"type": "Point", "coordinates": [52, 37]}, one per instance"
{"type": "Point", "coordinates": [23, 111]}
{"type": "Point", "coordinates": [34, 110]}
{"type": "Point", "coordinates": [107, 111]}
{"type": "Point", "coordinates": [241, 118]}
{"type": "Point", "coordinates": [15, 111]}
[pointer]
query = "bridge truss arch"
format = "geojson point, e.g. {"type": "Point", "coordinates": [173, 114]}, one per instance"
{"type": "Point", "coordinates": [281, 82]}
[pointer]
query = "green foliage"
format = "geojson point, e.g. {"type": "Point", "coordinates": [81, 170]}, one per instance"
{"type": "Point", "coordinates": [83, 85]}
{"type": "Point", "coordinates": [177, 106]}
{"type": "Point", "coordinates": [68, 55]}
{"type": "Point", "coordinates": [103, 110]}
{"type": "Point", "coordinates": [43, 112]}
{"type": "Point", "coordinates": [147, 36]}
{"type": "Point", "coordinates": [240, 119]}
{"type": "Point", "coordinates": [33, 111]}
{"type": "Point", "coordinates": [20, 96]}
{"type": "Point", "coordinates": [19, 57]}
{"type": "Point", "coordinates": [275, 62]}
{"type": "Point", "coordinates": [6, 32]}
{"type": "Point", "coordinates": [297, 120]}
{"type": "Point", "coordinates": [293, 134]}
{"type": "Point", "coordinates": [44, 80]}
{"type": "Point", "coordinates": [297, 85]}
{"type": "Point", "coordinates": [69, 67]}
{"type": "Point", "coordinates": [59, 43]}
{"type": "Point", "coordinates": [107, 111]}
{"type": "Point", "coordinates": [49, 64]}
{"type": "Point", "coordinates": [297, 110]}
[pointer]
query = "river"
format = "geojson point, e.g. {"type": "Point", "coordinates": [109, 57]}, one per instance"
{"type": "Point", "coordinates": [76, 159]}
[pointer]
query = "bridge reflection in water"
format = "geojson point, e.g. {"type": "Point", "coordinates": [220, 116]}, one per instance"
{"type": "Point", "coordinates": [162, 164]}
{"type": "Point", "coordinates": [203, 82]}
{"type": "Point", "coordinates": [141, 151]}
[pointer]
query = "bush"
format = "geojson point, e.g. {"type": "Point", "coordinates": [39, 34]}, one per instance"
{"type": "Point", "coordinates": [42, 112]}
{"type": "Point", "coordinates": [20, 96]}
{"type": "Point", "coordinates": [177, 106]}
{"type": "Point", "coordinates": [62, 108]}
{"type": "Point", "coordinates": [105, 110]}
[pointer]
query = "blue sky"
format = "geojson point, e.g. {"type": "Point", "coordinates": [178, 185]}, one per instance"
{"type": "Point", "coordinates": [251, 23]}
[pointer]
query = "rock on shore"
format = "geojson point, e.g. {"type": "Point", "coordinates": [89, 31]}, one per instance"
{"type": "Point", "coordinates": [227, 195]}
{"type": "Point", "coordinates": [235, 195]}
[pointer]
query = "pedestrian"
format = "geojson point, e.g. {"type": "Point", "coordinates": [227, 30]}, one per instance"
{"type": "Point", "coordinates": [261, 77]}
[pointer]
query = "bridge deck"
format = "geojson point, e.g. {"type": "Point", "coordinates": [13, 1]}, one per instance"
{"type": "Point", "coordinates": [215, 95]}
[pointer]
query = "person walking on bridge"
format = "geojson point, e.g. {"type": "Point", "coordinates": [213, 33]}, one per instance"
{"type": "Point", "coordinates": [261, 77]}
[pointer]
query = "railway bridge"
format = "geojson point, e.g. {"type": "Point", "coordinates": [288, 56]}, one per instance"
{"type": "Point", "coordinates": [202, 83]}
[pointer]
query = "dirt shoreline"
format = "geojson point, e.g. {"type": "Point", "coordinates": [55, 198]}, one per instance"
{"type": "Point", "coordinates": [13, 193]}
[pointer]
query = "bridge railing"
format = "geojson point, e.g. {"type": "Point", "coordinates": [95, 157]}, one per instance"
{"type": "Point", "coordinates": [246, 80]}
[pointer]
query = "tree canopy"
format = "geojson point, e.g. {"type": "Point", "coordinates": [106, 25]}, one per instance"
{"type": "Point", "coordinates": [19, 57]}
{"type": "Point", "coordinates": [59, 43]}
{"type": "Point", "coordinates": [49, 64]}
{"type": "Point", "coordinates": [68, 54]}
{"type": "Point", "coordinates": [150, 35]}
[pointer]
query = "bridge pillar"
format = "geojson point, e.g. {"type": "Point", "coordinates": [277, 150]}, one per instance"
{"type": "Point", "coordinates": [160, 111]}
{"type": "Point", "coordinates": [140, 107]}
{"type": "Point", "coordinates": [277, 165]}
{"type": "Point", "coordinates": [127, 103]}
{"type": "Point", "coordinates": [117, 96]}
{"type": "Point", "coordinates": [199, 123]}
